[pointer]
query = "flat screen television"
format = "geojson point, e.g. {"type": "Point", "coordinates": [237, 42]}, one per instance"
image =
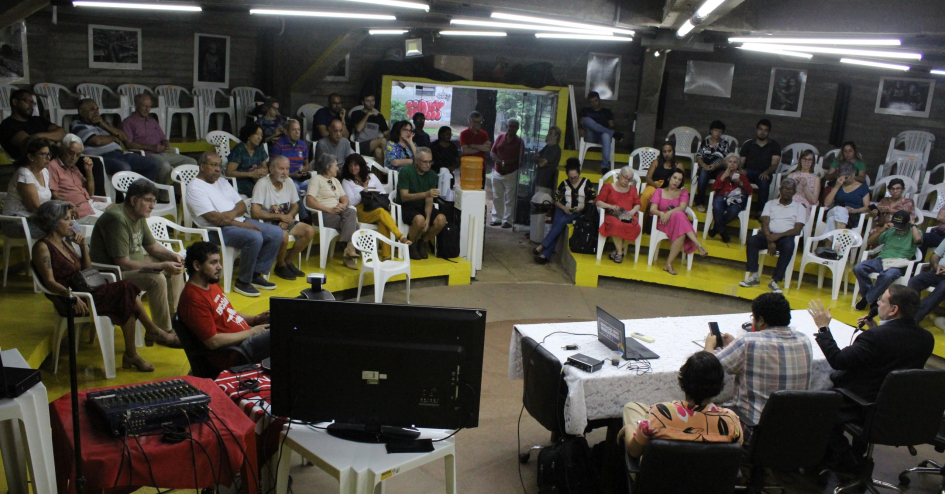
{"type": "Point", "coordinates": [376, 364]}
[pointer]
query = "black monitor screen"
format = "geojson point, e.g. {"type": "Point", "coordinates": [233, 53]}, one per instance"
{"type": "Point", "coordinates": [381, 364]}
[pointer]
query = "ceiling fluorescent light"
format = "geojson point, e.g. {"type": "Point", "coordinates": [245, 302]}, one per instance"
{"type": "Point", "coordinates": [140, 6]}
{"type": "Point", "coordinates": [387, 31]}
{"type": "Point", "coordinates": [595, 37]}
{"type": "Point", "coordinates": [777, 52]}
{"type": "Point", "coordinates": [818, 41]}
{"type": "Point", "coordinates": [938, 72]}
{"type": "Point", "coordinates": [554, 22]}
{"type": "Point", "coordinates": [311, 13]}
{"type": "Point", "coordinates": [874, 64]}
{"type": "Point", "coordinates": [708, 7]}
{"type": "Point", "coordinates": [472, 33]}
{"type": "Point", "coordinates": [395, 3]}
{"type": "Point", "coordinates": [843, 51]}
{"type": "Point", "coordinates": [685, 28]}
{"type": "Point", "coordinates": [530, 27]}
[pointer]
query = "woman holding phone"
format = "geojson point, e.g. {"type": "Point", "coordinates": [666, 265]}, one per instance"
{"type": "Point", "coordinates": [732, 193]}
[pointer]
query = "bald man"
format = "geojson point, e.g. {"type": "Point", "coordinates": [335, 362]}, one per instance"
{"type": "Point", "coordinates": [335, 144]}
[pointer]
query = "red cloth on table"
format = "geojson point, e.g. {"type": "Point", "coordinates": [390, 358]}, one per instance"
{"type": "Point", "coordinates": [612, 225]}
{"type": "Point", "coordinates": [257, 406]}
{"type": "Point", "coordinates": [172, 464]}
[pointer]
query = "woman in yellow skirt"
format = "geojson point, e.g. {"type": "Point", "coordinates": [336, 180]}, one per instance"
{"type": "Point", "coordinates": [356, 177]}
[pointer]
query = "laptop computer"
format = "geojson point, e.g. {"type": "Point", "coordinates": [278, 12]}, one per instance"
{"type": "Point", "coordinates": [15, 381]}
{"type": "Point", "coordinates": [612, 333]}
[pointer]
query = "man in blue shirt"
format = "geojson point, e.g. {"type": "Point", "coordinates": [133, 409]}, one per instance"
{"type": "Point", "coordinates": [324, 116]}
{"type": "Point", "coordinates": [596, 125]}
{"type": "Point", "coordinates": [295, 149]}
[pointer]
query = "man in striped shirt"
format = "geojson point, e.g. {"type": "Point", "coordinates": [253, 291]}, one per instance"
{"type": "Point", "coordinates": [770, 358]}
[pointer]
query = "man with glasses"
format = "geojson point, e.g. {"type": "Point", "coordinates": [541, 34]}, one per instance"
{"type": "Point", "coordinates": [417, 188]}
{"type": "Point", "coordinates": [22, 124]}
{"type": "Point", "coordinates": [69, 183]}
{"type": "Point", "coordinates": [121, 237]}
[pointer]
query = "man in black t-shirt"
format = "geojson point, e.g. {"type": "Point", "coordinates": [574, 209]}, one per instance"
{"type": "Point", "coordinates": [760, 158]}
{"type": "Point", "coordinates": [369, 129]}
{"type": "Point", "coordinates": [445, 153]}
{"type": "Point", "coordinates": [597, 126]}
{"type": "Point", "coordinates": [22, 124]}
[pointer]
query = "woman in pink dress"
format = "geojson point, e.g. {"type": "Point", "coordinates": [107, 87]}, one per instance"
{"type": "Point", "coordinates": [620, 203]}
{"type": "Point", "coordinates": [668, 208]}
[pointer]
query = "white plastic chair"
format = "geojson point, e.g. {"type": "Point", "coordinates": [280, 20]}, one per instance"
{"type": "Point", "coordinates": [227, 256]}
{"type": "Point", "coordinates": [657, 236]}
{"type": "Point", "coordinates": [644, 156]}
{"type": "Point", "coordinates": [327, 238]}
{"type": "Point", "coordinates": [183, 175]}
{"type": "Point", "coordinates": [305, 113]}
{"type": "Point", "coordinates": [841, 241]}
{"type": "Point", "coordinates": [821, 223]}
{"type": "Point", "coordinates": [99, 162]}
{"type": "Point", "coordinates": [128, 92]}
{"type": "Point", "coordinates": [221, 141]}
{"type": "Point", "coordinates": [911, 186]}
{"type": "Point", "coordinates": [921, 200]}
{"type": "Point", "coordinates": [789, 272]}
{"type": "Point", "coordinates": [5, 109]}
{"type": "Point", "coordinates": [928, 176]}
{"type": "Point", "coordinates": [169, 97]}
{"type": "Point", "coordinates": [245, 101]}
{"type": "Point", "coordinates": [903, 165]}
{"type": "Point", "coordinates": [916, 144]}
{"type": "Point", "coordinates": [686, 139]}
{"type": "Point", "coordinates": [9, 243]}
{"type": "Point", "coordinates": [795, 151]}
{"type": "Point", "coordinates": [49, 94]}
{"type": "Point", "coordinates": [160, 230]}
{"type": "Point", "coordinates": [602, 240]}
{"type": "Point", "coordinates": [207, 106]}
{"type": "Point", "coordinates": [366, 243]}
{"type": "Point", "coordinates": [732, 143]}
{"type": "Point", "coordinates": [586, 146]}
{"type": "Point", "coordinates": [902, 280]}
{"type": "Point", "coordinates": [122, 180]}
{"type": "Point", "coordinates": [742, 219]}
{"type": "Point", "coordinates": [97, 92]}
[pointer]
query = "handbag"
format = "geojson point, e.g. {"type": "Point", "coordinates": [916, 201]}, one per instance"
{"type": "Point", "coordinates": [374, 200]}
{"type": "Point", "coordinates": [827, 253]}
{"type": "Point", "coordinates": [88, 280]}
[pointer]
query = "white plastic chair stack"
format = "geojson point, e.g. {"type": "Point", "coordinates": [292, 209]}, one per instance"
{"type": "Point", "coordinates": [366, 243]}
{"type": "Point", "coordinates": [788, 274]}
{"type": "Point", "coordinates": [207, 106]}
{"type": "Point", "coordinates": [602, 240]}
{"type": "Point", "coordinates": [170, 100]}
{"type": "Point", "coordinates": [49, 94]}
{"type": "Point", "coordinates": [305, 113]}
{"type": "Point", "coordinates": [128, 92]}
{"type": "Point", "coordinates": [842, 241]}
{"type": "Point", "coordinates": [327, 238]}
{"type": "Point", "coordinates": [911, 186]}
{"type": "Point", "coordinates": [245, 100]}
{"type": "Point", "coordinates": [921, 200]}
{"type": "Point", "coordinates": [657, 236]}
{"type": "Point", "coordinates": [122, 180]}
{"type": "Point", "coordinates": [928, 176]}
{"type": "Point", "coordinates": [644, 157]}
{"type": "Point", "coordinates": [742, 219]}
{"type": "Point", "coordinates": [97, 92]}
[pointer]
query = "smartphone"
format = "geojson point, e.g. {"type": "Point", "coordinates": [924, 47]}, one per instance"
{"type": "Point", "coordinates": [736, 175]}
{"type": "Point", "coordinates": [714, 329]}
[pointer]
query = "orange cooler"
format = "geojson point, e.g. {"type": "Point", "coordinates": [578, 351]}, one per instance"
{"type": "Point", "coordinates": [471, 173]}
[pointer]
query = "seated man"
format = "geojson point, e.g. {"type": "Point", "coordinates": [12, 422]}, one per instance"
{"type": "Point", "coordinates": [782, 220]}
{"type": "Point", "coordinates": [121, 237]}
{"type": "Point", "coordinates": [335, 144]}
{"type": "Point", "coordinates": [420, 136]}
{"type": "Point", "coordinates": [369, 129]}
{"type": "Point", "coordinates": [445, 153]}
{"type": "Point", "coordinates": [145, 134]}
{"type": "Point", "coordinates": [295, 149]}
{"type": "Point", "coordinates": [596, 125]}
{"type": "Point", "coordinates": [214, 202]}
{"type": "Point", "coordinates": [933, 238]}
{"type": "Point", "coordinates": [326, 115]}
{"type": "Point", "coordinates": [416, 191]}
{"type": "Point", "coordinates": [276, 201]}
{"type": "Point", "coordinates": [700, 378]}
{"type": "Point", "coordinates": [68, 183]}
{"type": "Point", "coordinates": [206, 312]}
{"type": "Point", "coordinates": [22, 124]}
{"type": "Point", "coordinates": [899, 240]}
{"type": "Point", "coordinates": [934, 278]}
{"type": "Point", "coordinates": [760, 157]}
{"type": "Point", "coordinates": [770, 358]}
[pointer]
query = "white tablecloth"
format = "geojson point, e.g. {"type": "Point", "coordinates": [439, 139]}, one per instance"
{"type": "Point", "coordinates": [602, 394]}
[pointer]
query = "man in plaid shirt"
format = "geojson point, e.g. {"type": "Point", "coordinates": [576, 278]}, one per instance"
{"type": "Point", "coordinates": [770, 358]}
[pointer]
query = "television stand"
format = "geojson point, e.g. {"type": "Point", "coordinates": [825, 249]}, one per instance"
{"type": "Point", "coordinates": [364, 433]}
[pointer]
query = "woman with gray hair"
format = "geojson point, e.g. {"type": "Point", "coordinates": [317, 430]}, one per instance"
{"type": "Point", "coordinates": [56, 263]}
{"type": "Point", "coordinates": [326, 194]}
{"type": "Point", "coordinates": [620, 203]}
{"type": "Point", "coordinates": [848, 199]}
{"type": "Point", "coordinates": [732, 194]}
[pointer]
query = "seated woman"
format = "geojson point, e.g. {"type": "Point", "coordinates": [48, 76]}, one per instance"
{"type": "Point", "coordinates": [248, 160]}
{"type": "Point", "coordinates": [56, 262]}
{"type": "Point", "coordinates": [849, 153]}
{"type": "Point", "coordinates": [668, 208]}
{"type": "Point", "coordinates": [28, 188]}
{"type": "Point", "coordinates": [710, 159]}
{"type": "Point", "coordinates": [326, 194]}
{"type": "Point", "coordinates": [808, 183]}
{"type": "Point", "coordinates": [400, 148]}
{"type": "Point", "coordinates": [659, 171]}
{"type": "Point", "coordinates": [574, 194]}
{"type": "Point", "coordinates": [883, 212]}
{"type": "Point", "coordinates": [271, 121]}
{"type": "Point", "coordinates": [695, 418]}
{"type": "Point", "coordinates": [620, 203]}
{"type": "Point", "coordinates": [355, 178]}
{"type": "Point", "coordinates": [847, 201]}
{"type": "Point", "coordinates": [732, 194]}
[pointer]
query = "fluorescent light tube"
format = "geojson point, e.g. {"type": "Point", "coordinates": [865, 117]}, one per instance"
{"type": "Point", "coordinates": [596, 37]}
{"type": "Point", "coordinates": [311, 13]}
{"type": "Point", "coordinates": [685, 28]}
{"type": "Point", "coordinates": [554, 22]}
{"type": "Point", "coordinates": [874, 64]}
{"type": "Point", "coordinates": [818, 41]}
{"type": "Point", "coordinates": [472, 33]}
{"type": "Point", "coordinates": [778, 52]}
{"type": "Point", "coordinates": [395, 3]}
{"type": "Point", "coordinates": [530, 27]}
{"type": "Point", "coordinates": [140, 6]}
{"type": "Point", "coordinates": [843, 51]}
{"type": "Point", "coordinates": [938, 72]}
{"type": "Point", "coordinates": [708, 7]}
{"type": "Point", "coordinates": [387, 31]}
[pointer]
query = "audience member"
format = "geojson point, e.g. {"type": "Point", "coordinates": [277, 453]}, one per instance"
{"type": "Point", "coordinates": [400, 150]}
{"type": "Point", "coordinates": [445, 153]}
{"type": "Point", "coordinates": [782, 221]}
{"type": "Point", "coordinates": [68, 183]}
{"type": "Point", "coordinates": [847, 200]}
{"type": "Point", "coordinates": [209, 315]}
{"type": "Point", "coordinates": [417, 188]}
{"type": "Point", "coordinates": [933, 238]}
{"type": "Point", "coordinates": [659, 170]}
{"type": "Point", "coordinates": [883, 211]}
{"type": "Point", "coordinates": [369, 129]}
{"type": "Point", "coordinates": [771, 357]}
{"type": "Point", "coordinates": [849, 153]}
{"type": "Point", "coordinates": [668, 208]}
{"type": "Point", "coordinates": [248, 160]}
{"type": "Point", "coordinates": [294, 149]}
{"type": "Point", "coordinates": [276, 201]}
{"type": "Point", "coordinates": [695, 418]}
{"type": "Point", "coordinates": [808, 183]}
{"type": "Point", "coordinates": [760, 157]}
{"type": "Point", "coordinates": [215, 203]}
{"type": "Point", "coordinates": [420, 137]}
{"type": "Point", "coordinates": [620, 203]}
{"type": "Point", "coordinates": [732, 195]}
{"type": "Point", "coordinates": [271, 121]}
{"type": "Point", "coordinates": [507, 153]}
{"type": "Point", "coordinates": [596, 125]}
{"type": "Point", "coordinates": [27, 189]}
{"type": "Point", "coordinates": [325, 115]}
{"type": "Point", "coordinates": [103, 140]}
{"type": "Point", "coordinates": [575, 193]}
{"type": "Point", "coordinates": [144, 133]}
{"type": "Point", "coordinates": [326, 194]}
{"type": "Point", "coordinates": [710, 159]}
{"type": "Point", "coordinates": [474, 141]}
{"type": "Point", "coordinates": [56, 263]}
{"type": "Point", "coordinates": [356, 179]}
{"type": "Point", "coordinates": [933, 278]}
{"type": "Point", "coordinates": [334, 145]}
{"type": "Point", "coordinates": [22, 124]}
{"type": "Point", "coordinates": [547, 160]}
{"type": "Point", "coordinates": [899, 239]}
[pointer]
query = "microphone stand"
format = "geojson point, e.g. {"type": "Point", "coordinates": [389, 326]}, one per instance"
{"type": "Point", "coordinates": [74, 387]}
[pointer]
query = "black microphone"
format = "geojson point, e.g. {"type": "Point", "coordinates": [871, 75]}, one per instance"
{"type": "Point", "coordinates": [874, 311]}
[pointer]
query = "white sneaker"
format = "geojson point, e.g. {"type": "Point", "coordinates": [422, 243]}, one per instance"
{"type": "Point", "coordinates": [773, 286]}
{"type": "Point", "coordinates": [940, 323]}
{"type": "Point", "coordinates": [753, 281]}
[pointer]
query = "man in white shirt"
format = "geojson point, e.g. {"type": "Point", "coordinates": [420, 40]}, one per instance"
{"type": "Point", "coordinates": [214, 202]}
{"type": "Point", "coordinates": [782, 220]}
{"type": "Point", "coordinates": [275, 203]}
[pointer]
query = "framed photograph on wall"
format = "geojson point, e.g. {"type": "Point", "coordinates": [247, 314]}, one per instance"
{"type": "Point", "coordinates": [709, 78]}
{"type": "Point", "coordinates": [211, 60]}
{"type": "Point", "coordinates": [340, 72]}
{"type": "Point", "coordinates": [113, 47]}
{"type": "Point", "coordinates": [906, 97]}
{"type": "Point", "coordinates": [14, 64]}
{"type": "Point", "coordinates": [786, 92]}
{"type": "Point", "coordinates": [603, 75]}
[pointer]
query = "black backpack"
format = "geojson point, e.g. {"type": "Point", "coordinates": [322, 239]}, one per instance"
{"type": "Point", "coordinates": [584, 238]}
{"type": "Point", "coordinates": [447, 241]}
{"type": "Point", "coordinates": [566, 467]}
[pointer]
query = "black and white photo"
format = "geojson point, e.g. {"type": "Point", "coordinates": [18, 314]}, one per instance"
{"type": "Point", "coordinates": [211, 60]}
{"type": "Point", "coordinates": [113, 47]}
{"type": "Point", "coordinates": [786, 92]}
{"type": "Point", "coordinates": [907, 97]}
{"type": "Point", "coordinates": [14, 66]}
{"type": "Point", "coordinates": [340, 72]}
{"type": "Point", "coordinates": [603, 75]}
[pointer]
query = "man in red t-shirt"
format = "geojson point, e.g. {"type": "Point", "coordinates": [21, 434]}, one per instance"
{"type": "Point", "coordinates": [205, 310]}
{"type": "Point", "coordinates": [474, 141]}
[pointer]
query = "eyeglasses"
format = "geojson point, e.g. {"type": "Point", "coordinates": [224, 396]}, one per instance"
{"type": "Point", "coordinates": [149, 201]}
{"type": "Point", "coordinates": [331, 183]}
{"type": "Point", "coordinates": [46, 155]}
{"type": "Point", "coordinates": [807, 159]}
{"type": "Point", "coordinates": [407, 130]}
{"type": "Point", "coordinates": [27, 101]}
{"type": "Point", "coordinates": [425, 162]}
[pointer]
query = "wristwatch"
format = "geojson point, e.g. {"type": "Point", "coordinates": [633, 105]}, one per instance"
{"type": "Point", "coordinates": [824, 329]}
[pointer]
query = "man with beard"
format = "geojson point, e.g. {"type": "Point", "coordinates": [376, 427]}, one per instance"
{"type": "Point", "coordinates": [275, 203]}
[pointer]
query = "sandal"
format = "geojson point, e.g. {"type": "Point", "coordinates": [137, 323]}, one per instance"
{"type": "Point", "coordinates": [137, 362]}
{"type": "Point", "coordinates": [702, 251]}
{"type": "Point", "coordinates": [669, 269]}
{"type": "Point", "coordinates": [613, 255]}
{"type": "Point", "coordinates": [165, 338]}
{"type": "Point", "coordinates": [701, 209]}
{"type": "Point", "coordinates": [618, 258]}
{"type": "Point", "coordinates": [351, 262]}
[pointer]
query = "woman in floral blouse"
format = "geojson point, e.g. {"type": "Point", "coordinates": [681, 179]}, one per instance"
{"type": "Point", "coordinates": [400, 148]}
